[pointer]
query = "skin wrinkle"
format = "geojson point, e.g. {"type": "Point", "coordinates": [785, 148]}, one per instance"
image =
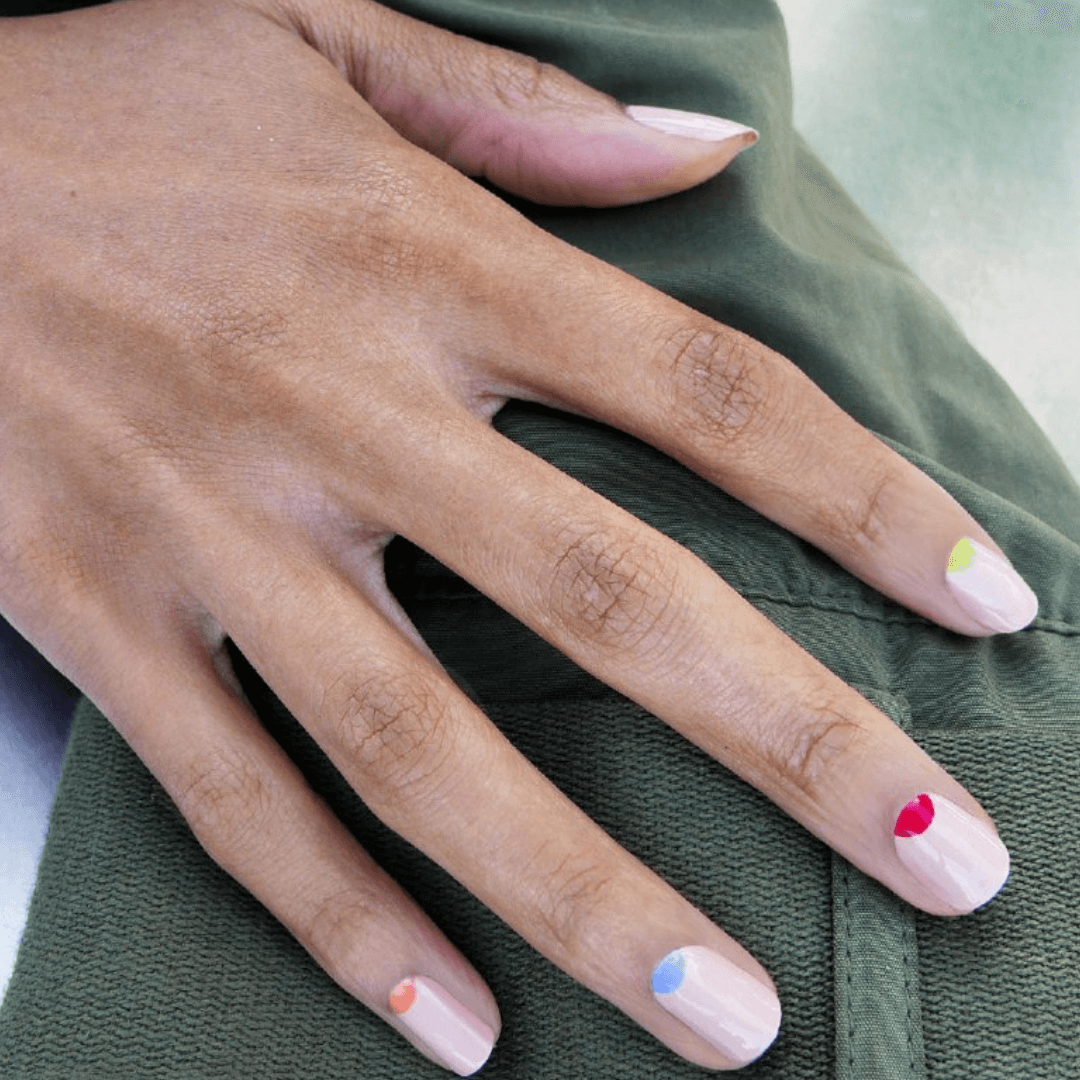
{"type": "Point", "coordinates": [337, 930]}
{"type": "Point", "coordinates": [809, 746]}
{"type": "Point", "coordinates": [873, 528]}
{"type": "Point", "coordinates": [395, 733]}
{"type": "Point", "coordinates": [567, 887]}
{"type": "Point", "coordinates": [228, 801]}
{"type": "Point", "coordinates": [568, 905]}
{"type": "Point", "coordinates": [612, 593]}
{"type": "Point", "coordinates": [719, 388]}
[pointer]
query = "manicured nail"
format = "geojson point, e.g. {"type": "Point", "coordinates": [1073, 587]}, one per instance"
{"type": "Point", "coordinates": [989, 589]}
{"type": "Point", "coordinates": [954, 855]}
{"type": "Point", "coordinates": [688, 124]}
{"type": "Point", "coordinates": [721, 1002]}
{"type": "Point", "coordinates": [460, 1039]}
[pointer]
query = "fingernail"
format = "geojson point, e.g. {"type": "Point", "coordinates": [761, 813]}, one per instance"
{"type": "Point", "coordinates": [688, 124]}
{"type": "Point", "coordinates": [459, 1038]}
{"type": "Point", "coordinates": [721, 1002]}
{"type": "Point", "coordinates": [954, 855]}
{"type": "Point", "coordinates": [989, 589]}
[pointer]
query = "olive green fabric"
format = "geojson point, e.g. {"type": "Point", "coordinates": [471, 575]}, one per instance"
{"type": "Point", "coordinates": [142, 959]}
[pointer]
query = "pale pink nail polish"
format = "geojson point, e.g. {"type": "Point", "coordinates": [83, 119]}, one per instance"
{"type": "Point", "coordinates": [721, 1002]}
{"type": "Point", "coordinates": [988, 589]}
{"type": "Point", "coordinates": [954, 855]}
{"type": "Point", "coordinates": [459, 1038]}
{"type": "Point", "coordinates": [687, 124]}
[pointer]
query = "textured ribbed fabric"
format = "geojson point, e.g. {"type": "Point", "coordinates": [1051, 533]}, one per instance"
{"type": "Point", "coordinates": [142, 959]}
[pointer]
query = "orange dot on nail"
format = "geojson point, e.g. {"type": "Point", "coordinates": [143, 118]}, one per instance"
{"type": "Point", "coordinates": [402, 997]}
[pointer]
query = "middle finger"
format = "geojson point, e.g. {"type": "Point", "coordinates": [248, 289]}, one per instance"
{"type": "Point", "coordinates": [652, 620]}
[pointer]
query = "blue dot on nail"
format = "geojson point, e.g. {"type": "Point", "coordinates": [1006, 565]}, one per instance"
{"type": "Point", "coordinates": [669, 973]}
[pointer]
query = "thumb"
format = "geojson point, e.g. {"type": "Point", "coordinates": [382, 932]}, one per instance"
{"type": "Point", "coordinates": [528, 127]}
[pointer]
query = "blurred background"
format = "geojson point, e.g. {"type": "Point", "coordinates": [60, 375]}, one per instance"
{"type": "Point", "coordinates": [954, 124]}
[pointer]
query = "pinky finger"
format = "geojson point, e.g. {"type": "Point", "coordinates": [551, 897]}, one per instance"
{"type": "Point", "coordinates": [254, 814]}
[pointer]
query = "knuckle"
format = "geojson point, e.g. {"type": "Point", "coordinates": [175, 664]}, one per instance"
{"type": "Point", "coordinates": [337, 928]}
{"type": "Point", "coordinates": [719, 383]}
{"type": "Point", "coordinates": [812, 748]}
{"type": "Point", "coordinates": [375, 228]}
{"type": "Point", "coordinates": [230, 328]}
{"type": "Point", "coordinates": [228, 800]}
{"type": "Point", "coordinates": [395, 730]}
{"type": "Point", "coordinates": [388, 189]}
{"type": "Point", "coordinates": [519, 80]}
{"type": "Point", "coordinates": [612, 591]}
{"type": "Point", "coordinates": [233, 327]}
{"type": "Point", "coordinates": [43, 553]}
{"type": "Point", "coordinates": [861, 518]}
{"type": "Point", "coordinates": [471, 68]}
{"type": "Point", "coordinates": [398, 256]}
{"type": "Point", "coordinates": [385, 220]}
{"type": "Point", "coordinates": [569, 900]}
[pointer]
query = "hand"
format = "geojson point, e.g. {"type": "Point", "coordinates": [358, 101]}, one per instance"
{"type": "Point", "coordinates": [254, 323]}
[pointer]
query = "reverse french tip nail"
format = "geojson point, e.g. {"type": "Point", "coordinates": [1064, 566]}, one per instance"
{"type": "Point", "coordinates": [687, 124]}
{"type": "Point", "coordinates": [988, 589]}
{"type": "Point", "coordinates": [958, 858]}
{"type": "Point", "coordinates": [720, 1002]}
{"type": "Point", "coordinates": [452, 1032]}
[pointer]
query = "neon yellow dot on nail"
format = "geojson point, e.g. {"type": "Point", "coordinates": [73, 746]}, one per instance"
{"type": "Point", "coordinates": [963, 555]}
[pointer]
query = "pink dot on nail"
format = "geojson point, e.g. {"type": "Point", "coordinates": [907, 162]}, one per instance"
{"type": "Point", "coordinates": [915, 818]}
{"type": "Point", "coordinates": [403, 996]}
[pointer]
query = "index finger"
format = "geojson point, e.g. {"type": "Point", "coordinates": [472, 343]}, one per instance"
{"type": "Point", "coordinates": [590, 339]}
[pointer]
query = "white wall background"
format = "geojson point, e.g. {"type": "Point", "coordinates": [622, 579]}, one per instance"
{"type": "Point", "coordinates": [955, 125]}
